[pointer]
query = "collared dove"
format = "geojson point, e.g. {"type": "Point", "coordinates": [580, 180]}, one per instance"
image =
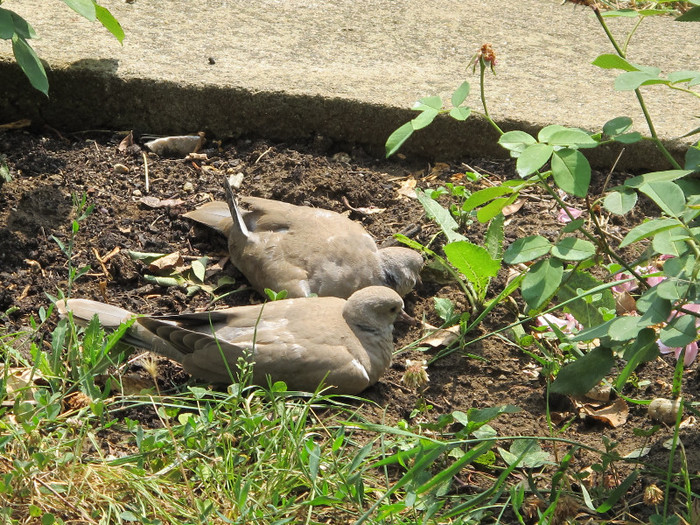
{"type": "Point", "coordinates": [306, 250]}
{"type": "Point", "coordinates": [299, 341]}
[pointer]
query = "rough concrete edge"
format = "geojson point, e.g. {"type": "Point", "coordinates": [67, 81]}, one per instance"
{"type": "Point", "coordinates": [89, 95]}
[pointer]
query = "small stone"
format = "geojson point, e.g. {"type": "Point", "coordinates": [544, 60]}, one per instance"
{"type": "Point", "coordinates": [235, 180]}
{"type": "Point", "coordinates": [664, 410]}
{"type": "Point", "coordinates": [188, 187]}
{"type": "Point", "coordinates": [341, 156]}
{"type": "Point", "coordinates": [121, 168]}
{"type": "Point", "coordinates": [136, 193]}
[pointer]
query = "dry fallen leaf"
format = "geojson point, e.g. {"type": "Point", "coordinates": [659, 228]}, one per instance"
{"type": "Point", "coordinates": [440, 336]}
{"type": "Point", "coordinates": [20, 379]}
{"type": "Point", "coordinates": [155, 202]}
{"type": "Point", "coordinates": [17, 124]}
{"type": "Point", "coordinates": [126, 142]}
{"type": "Point", "coordinates": [167, 262]}
{"type": "Point", "coordinates": [437, 170]}
{"type": "Point", "coordinates": [614, 415]}
{"type": "Point", "coordinates": [512, 208]}
{"type": "Point", "coordinates": [407, 188]}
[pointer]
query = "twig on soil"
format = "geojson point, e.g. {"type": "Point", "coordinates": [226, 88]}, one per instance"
{"type": "Point", "coordinates": [145, 169]}
{"type": "Point", "coordinates": [268, 150]}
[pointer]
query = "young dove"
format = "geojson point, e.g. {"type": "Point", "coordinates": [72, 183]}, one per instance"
{"type": "Point", "coordinates": [306, 250]}
{"type": "Point", "coordinates": [346, 344]}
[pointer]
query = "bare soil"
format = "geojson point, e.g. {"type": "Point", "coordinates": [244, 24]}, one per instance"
{"type": "Point", "coordinates": [49, 169]}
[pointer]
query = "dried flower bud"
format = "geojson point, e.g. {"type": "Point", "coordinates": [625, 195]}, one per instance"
{"type": "Point", "coordinates": [415, 375]}
{"type": "Point", "coordinates": [653, 495]}
{"type": "Point", "coordinates": [485, 55]}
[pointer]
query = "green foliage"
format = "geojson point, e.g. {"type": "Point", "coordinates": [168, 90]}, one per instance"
{"type": "Point", "coordinates": [565, 273]}
{"type": "Point", "coordinates": [82, 211]}
{"type": "Point", "coordinates": [15, 28]}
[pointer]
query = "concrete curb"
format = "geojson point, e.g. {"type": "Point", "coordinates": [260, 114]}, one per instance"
{"type": "Point", "coordinates": [157, 84]}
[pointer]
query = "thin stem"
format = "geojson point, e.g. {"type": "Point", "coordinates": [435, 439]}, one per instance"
{"type": "Point", "coordinates": [647, 117]}
{"type": "Point", "coordinates": [482, 74]}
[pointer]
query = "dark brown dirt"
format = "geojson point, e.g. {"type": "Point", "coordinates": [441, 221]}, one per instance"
{"type": "Point", "coordinates": [49, 169]}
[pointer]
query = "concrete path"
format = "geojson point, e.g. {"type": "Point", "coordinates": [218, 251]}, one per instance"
{"type": "Point", "coordinates": [345, 69]}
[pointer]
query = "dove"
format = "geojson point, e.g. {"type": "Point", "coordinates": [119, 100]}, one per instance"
{"type": "Point", "coordinates": [346, 344]}
{"type": "Point", "coordinates": [305, 250]}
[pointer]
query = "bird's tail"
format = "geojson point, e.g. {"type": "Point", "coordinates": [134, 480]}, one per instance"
{"type": "Point", "coordinates": [234, 210]}
{"type": "Point", "coordinates": [215, 215]}
{"type": "Point", "coordinates": [84, 310]}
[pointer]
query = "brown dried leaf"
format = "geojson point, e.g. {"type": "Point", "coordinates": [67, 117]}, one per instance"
{"type": "Point", "coordinates": [437, 170]}
{"type": "Point", "coordinates": [625, 304]}
{"type": "Point", "coordinates": [167, 262]}
{"type": "Point", "coordinates": [126, 142]}
{"type": "Point", "coordinates": [407, 188]}
{"type": "Point", "coordinates": [440, 336]}
{"type": "Point", "coordinates": [512, 208]}
{"type": "Point", "coordinates": [155, 202]}
{"type": "Point", "coordinates": [614, 415]}
{"type": "Point", "coordinates": [20, 379]}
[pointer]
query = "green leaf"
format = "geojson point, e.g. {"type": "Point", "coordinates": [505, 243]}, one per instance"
{"type": "Point", "coordinates": [585, 310]}
{"type": "Point", "coordinates": [628, 138]}
{"type": "Point", "coordinates": [424, 119]}
{"type": "Point", "coordinates": [474, 262]}
{"type": "Point", "coordinates": [656, 176]}
{"type": "Point", "coordinates": [528, 452]}
{"type": "Point", "coordinates": [571, 171]}
{"type": "Point", "coordinates": [516, 141]}
{"type": "Point", "coordinates": [647, 229]}
{"type": "Point", "coordinates": [527, 249]}
{"type": "Point", "coordinates": [85, 8]}
{"type": "Point", "coordinates": [574, 225]}
{"type": "Point", "coordinates": [494, 208]}
{"type": "Point", "coordinates": [15, 24]}
{"type": "Point", "coordinates": [426, 103]}
{"type": "Point", "coordinates": [573, 249]}
{"type": "Point", "coordinates": [572, 137]}
{"type": "Point", "coordinates": [617, 126]}
{"type": "Point", "coordinates": [199, 268]}
{"type": "Point", "coordinates": [7, 26]}
{"type": "Point", "coordinates": [493, 240]}
{"type": "Point", "coordinates": [583, 374]}
{"type": "Point", "coordinates": [546, 132]}
{"type": "Point", "coordinates": [624, 328]}
{"type": "Point", "coordinates": [667, 195]}
{"type": "Point", "coordinates": [443, 217]}
{"type": "Point", "coordinates": [460, 113]}
{"type": "Point", "coordinates": [641, 350]}
{"type": "Point", "coordinates": [532, 158]}
{"type": "Point", "coordinates": [487, 194]}
{"type": "Point", "coordinates": [609, 61]}
{"type": "Point", "coordinates": [634, 79]}
{"type": "Point", "coordinates": [620, 201]}
{"type": "Point", "coordinates": [397, 138]}
{"type": "Point", "coordinates": [692, 158]}
{"type": "Point", "coordinates": [109, 22]}
{"type": "Point", "coordinates": [445, 310]}
{"type": "Point", "coordinates": [655, 309]}
{"type": "Point", "coordinates": [680, 332]}
{"type": "Point", "coordinates": [683, 76]}
{"type": "Point", "coordinates": [670, 242]}
{"type": "Point", "coordinates": [30, 64]}
{"type": "Point", "coordinates": [692, 15]}
{"type": "Point", "coordinates": [460, 94]}
{"type": "Point", "coordinates": [541, 282]}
